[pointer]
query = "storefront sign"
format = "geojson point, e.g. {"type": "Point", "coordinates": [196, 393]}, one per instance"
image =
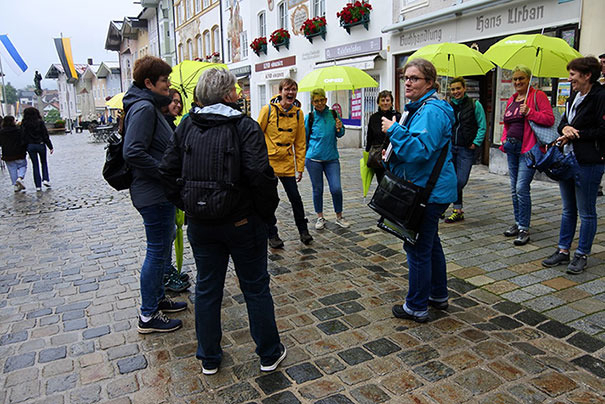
{"type": "Point", "coordinates": [356, 48]}
{"type": "Point", "coordinates": [277, 74]}
{"type": "Point", "coordinates": [275, 64]}
{"type": "Point", "coordinates": [356, 104]}
{"type": "Point", "coordinates": [241, 71]}
{"type": "Point", "coordinates": [314, 54]}
{"type": "Point", "coordinates": [493, 22]}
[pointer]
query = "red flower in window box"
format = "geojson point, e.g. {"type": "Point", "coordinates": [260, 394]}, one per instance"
{"type": "Point", "coordinates": [313, 25]}
{"type": "Point", "coordinates": [354, 12]}
{"type": "Point", "coordinates": [259, 45]}
{"type": "Point", "coordinates": [279, 36]}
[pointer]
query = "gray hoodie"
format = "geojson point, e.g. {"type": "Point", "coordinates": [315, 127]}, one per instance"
{"type": "Point", "coordinates": [146, 137]}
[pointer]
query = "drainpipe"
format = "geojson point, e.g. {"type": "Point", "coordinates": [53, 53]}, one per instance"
{"type": "Point", "coordinates": [220, 5]}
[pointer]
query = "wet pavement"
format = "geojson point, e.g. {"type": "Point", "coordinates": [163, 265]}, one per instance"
{"type": "Point", "coordinates": [514, 332]}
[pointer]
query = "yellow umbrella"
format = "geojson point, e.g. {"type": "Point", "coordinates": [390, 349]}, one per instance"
{"type": "Point", "coordinates": [185, 75]}
{"type": "Point", "coordinates": [334, 78]}
{"type": "Point", "coordinates": [366, 173]}
{"type": "Point", "coordinates": [454, 59]}
{"type": "Point", "coordinates": [115, 102]}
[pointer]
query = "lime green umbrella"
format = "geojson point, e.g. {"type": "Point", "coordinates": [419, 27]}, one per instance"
{"type": "Point", "coordinates": [115, 102]}
{"type": "Point", "coordinates": [334, 78]}
{"type": "Point", "coordinates": [185, 75]}
{"type": "Point", "coordinates": [546, 56]}
{"type": "Point", "coordinates": [454, 59]}
{"type": "Point", "coordinates": [366, 173]}
{"type": "Point", "coordinates": [178, 241]}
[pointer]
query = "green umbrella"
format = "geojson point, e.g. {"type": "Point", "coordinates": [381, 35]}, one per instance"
{"type": "Point", "coordinates": [366, 173]}
{"type": "Point", "coordinates": [454, 59]}
{"type": "Point", "coordinates": [178, 241]}
{"type": "Point", "coordinates": [546, 56]}
{"type": "Point", "coordinates": [116, 101]}
{"type": "Point", "coordinates": [185, 75]}
{"type": "Point", "coordinates": [334, 78]}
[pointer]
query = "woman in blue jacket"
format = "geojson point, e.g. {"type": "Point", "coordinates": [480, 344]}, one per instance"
{"type": "Point", "coordinates": [323, 127]}
{"type": "Point", "coordinates": [416, 146]}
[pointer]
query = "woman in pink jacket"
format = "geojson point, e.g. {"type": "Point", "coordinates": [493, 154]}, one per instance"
{"type": "Point", "coordinates": [517, 139]}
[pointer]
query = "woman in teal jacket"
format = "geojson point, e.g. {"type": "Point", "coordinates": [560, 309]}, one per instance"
{"type": "Point", "coordinates": [416, 146]}
{"type": "Point", "coordinates": [323, 127]}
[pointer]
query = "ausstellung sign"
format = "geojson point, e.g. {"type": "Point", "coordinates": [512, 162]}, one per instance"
{"type": "Point", "coordinates": [356, 48]}
{"type": "Point", "coordinates": [275, 64]}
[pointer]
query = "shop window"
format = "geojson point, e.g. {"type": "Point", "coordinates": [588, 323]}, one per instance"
{"type": "Point", "coordinates": [262, 24]}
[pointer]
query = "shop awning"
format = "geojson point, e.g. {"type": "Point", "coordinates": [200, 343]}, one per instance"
{"type": "Point", "coordinates": [445, 14]}
{"type": "Point", "coordinates": [361, 62]}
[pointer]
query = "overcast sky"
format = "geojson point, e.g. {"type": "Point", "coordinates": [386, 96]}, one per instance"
{"type": "Point", "coordinates": [31, 26]}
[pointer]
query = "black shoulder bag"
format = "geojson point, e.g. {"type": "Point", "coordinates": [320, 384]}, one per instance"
{"type": "Point", "coordinates": [401, 204]}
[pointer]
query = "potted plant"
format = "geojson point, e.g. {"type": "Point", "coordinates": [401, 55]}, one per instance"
{"type": "Point", "coordinates": [314, 27]}
{"type": "Point", "coordinates": [280, 37]}
{"type": "Point", "coordinates": [355, 14]}
{"type": "Point", "coordinates": [259, 45]}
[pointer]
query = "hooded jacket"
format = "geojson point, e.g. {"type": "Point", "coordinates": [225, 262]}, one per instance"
{"type": "Point", "coordinates": [417, 145]}
{"type": "Point", "coordinates": [589, 148]}
{"type": "Point", "coordinates": [146, 137]}
{"type": "Point", "coordinates": [321, 144]}
{"type": "Point", "coordinates": [257, 182]}
{"type": "Point", "coordinates": [280, 139]}
{"type": "Point", "coordinates": [12, 144]}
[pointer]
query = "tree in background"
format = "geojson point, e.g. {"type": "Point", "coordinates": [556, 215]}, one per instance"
{"type": "Point", "coordinates": [52, 116]}
{"type": "Point", "coordinates": [11, 94]}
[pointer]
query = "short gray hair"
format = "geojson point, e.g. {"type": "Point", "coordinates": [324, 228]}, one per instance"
{"type": "Point", "coordinates": [318, 92]}
{"type": "Point", "coordinates": [214, 85]}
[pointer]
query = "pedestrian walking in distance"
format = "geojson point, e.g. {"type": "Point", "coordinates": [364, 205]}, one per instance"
{"type": "Point", "coordinates": [283, 124]}
{"type": "Point", "coordinates": [467, 136]}
{"type": "Point", "coordinates": [217, 170]}
{"type": "Point", "coordinates": [323, 128]}
{"type": "Point", "coordinates": [417, 144]}
{"type": "Point", "coordinates": [146, 137]}
{"type": "Point", "coordinates": [13, 152]}
{"type": "Point", "coordinates": [35, 136]}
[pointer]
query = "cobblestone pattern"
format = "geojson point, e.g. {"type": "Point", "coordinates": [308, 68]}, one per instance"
{"type": "Point", "coordinates": [514, 332]}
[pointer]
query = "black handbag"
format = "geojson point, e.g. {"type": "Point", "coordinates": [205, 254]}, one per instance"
{"type": "Point", "coordinates": [375, 157]}
{"type": "Point", "coordinates": [401, 204]}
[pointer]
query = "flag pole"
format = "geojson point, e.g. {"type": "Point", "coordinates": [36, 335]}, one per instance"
{"type": "Point", "coordinates": [3, 89]}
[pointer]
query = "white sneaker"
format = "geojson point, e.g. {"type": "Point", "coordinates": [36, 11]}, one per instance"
{"type": "Point", "coordinates": [38, 189]}
{"type": "Point", "coordinates": [46, 184]}
{"type": "Point", "coordinates": [320, 224]}
{"type": "Point", "coordinates": [342, 223]}
{"type": "Point", "coordinates": [20, 183]}
{"type": "Point", "coordinates": [17, 188]}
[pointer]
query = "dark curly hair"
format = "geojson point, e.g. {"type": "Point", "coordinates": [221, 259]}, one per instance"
{"type": "Point", "coordinates": [585, 65]}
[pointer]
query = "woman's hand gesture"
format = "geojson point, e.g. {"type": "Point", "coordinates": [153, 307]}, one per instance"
{"type": "Point", "coordinates": [386, 124]}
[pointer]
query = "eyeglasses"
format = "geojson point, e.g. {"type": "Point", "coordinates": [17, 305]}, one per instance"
{"type": "Point", "coordinates": [319, 100]}
{"type": "Point", "coordinates": [519, 78]}
{"type": "Point", "coordinates": [178, 102]}
{"type": "Point", "coordinates": [412, 79]}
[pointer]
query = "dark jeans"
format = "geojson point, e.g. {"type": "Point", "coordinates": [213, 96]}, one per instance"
{"type": "Point", "coordinates": [463, 158]}
{"type": "Point", "coordinates": [426, 263]}
{"type": "Point", "coordinates": [580, 195]}
{"type": "Point", "coordinates": [289, 184]}
{"type": "Point", "coordinates": [159, 229]}
{"type": "Point", "coordinates": [331, 169]}
{"type": "Point", "coordinates": [38, 151]}
{"type": "Point", "coordinates": [212, 244]}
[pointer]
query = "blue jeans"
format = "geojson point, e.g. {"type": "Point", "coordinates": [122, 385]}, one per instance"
{"type": "Point", "coordinates": [426, 263]}
{"type": "Point", "coordinates": [289, 184]}
{"type": "Point", "coordinates": [463, 158]}
{"type": "Point", "coordinates": [246, 242]}
{"type": "Point", "coordinates": [16, 169]}
{"type": "Point", "coordinates": [38, 151]}
{"type": "Point", "coordinates": [316, 170]}
{"type": "Point", "coordinates": [159, 230]}
{"type": "Point", "coordinates": [580, 195]}
{"type": "Point", "coordinates": [520, 180]}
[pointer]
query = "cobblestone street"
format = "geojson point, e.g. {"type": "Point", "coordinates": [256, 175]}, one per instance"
{"type": "Point", "coordinates": [515, 332]}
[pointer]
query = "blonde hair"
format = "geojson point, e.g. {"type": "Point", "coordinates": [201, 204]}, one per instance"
{"type": "Point", "coordinates": [318, 92]}
{"type": "Point", "coordinates": [523, 69]}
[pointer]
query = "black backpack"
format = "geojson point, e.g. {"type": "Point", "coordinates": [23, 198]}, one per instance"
{"type": "Point", "coordinates": [211, 172]}
{"type": "Point", "coordinates": [115, 170]}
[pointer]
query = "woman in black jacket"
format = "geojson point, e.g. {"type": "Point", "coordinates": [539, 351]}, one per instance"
{"type": "Point", "coordinates": [375, 140]}
{"type": "Point", "coordinates": [35, 136]}
{"type": "Point", "coordinates": [583, 128]}
{"type": "Point", "coordinates": [13, 152]}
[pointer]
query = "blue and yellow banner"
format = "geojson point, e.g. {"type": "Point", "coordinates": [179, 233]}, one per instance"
{"type": "Point", "coordinates": [63, 46]}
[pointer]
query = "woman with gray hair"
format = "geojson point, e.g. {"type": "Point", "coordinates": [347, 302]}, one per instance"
{"type": "Point", "coordinates": [217, 170]}
{"type": "Point", "coordinates": [323, 127]}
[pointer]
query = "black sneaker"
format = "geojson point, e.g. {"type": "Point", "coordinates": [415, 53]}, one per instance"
{"type": "Point", "coordinates": [305, 237]}
{"type": "Point", "coordinates": [512, 231]}
{"type": "Point", "coordinates": [577, 264]}
{"type": "Point", "coordinates": [174, 283]}
{"type": "Point", "coordinates": [439, 305]}
{"type": "Point", "coordinates": [522, 238]}
{"type": "Point", "coordinates": [174, 272]}
{"type": "Point", "coordinates": [158, 323]}
{"type": "Point", "coordinates": [399, 312]}
{"type": "Point", "coordinates": [276, 242]}
{"type": "Point", "coordinates": [269, 367]}
{"type": "Point", "coordinates": [555, 259]}
{"type": "Point", "coordinates": [167, 305]}
{"type": "Point", "coordinates": [209, 369]}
